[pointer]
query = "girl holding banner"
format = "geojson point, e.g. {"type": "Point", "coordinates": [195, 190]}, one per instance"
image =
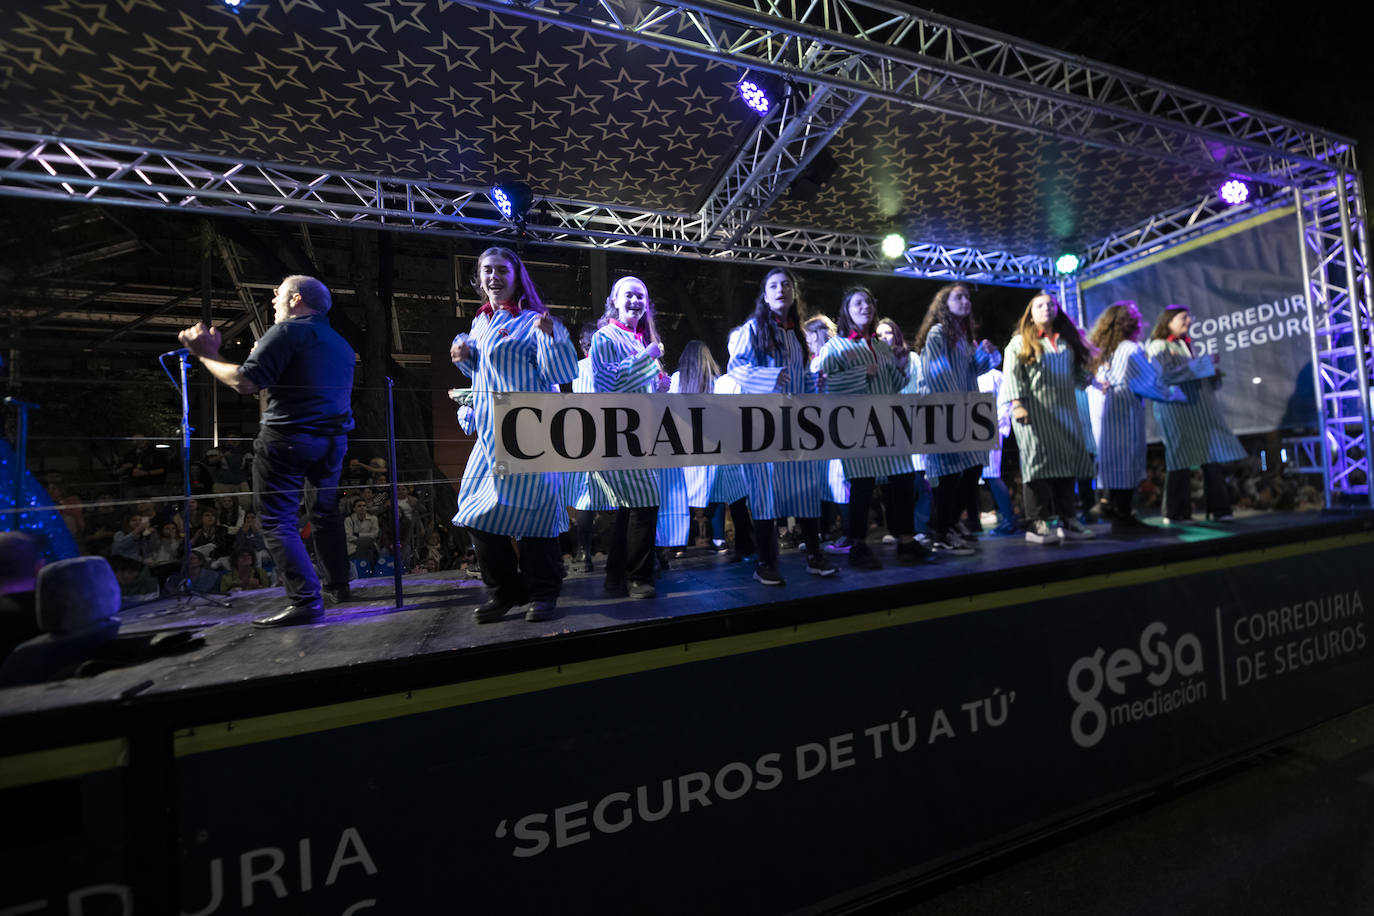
{"type": "Point", "coordinates": [951, 361]}
{"type": "Point", "coordinates": [818, 330]}
{"type": "Point", "coordinates": [710, 487]}
{"type": "Point", "coordinates": [855, 361]}
{"type": "Point", "coordinates": [624, 354]}
{"type": "Point", "coordinates": [910, 366]}
{"type": "Point", "coordinates": [1195, 432]}
{"type": "Point", "coordinates": [514, 345]}
{"type": "Point", "coordinates": [1124, 375]}
{"type": "Point", "coordinates": [767, 354]}
{"type": "Point", "coordinates": [1046, 363]}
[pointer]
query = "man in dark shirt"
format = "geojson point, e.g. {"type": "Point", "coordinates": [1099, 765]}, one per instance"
{"type": "Point", "coordinates": [307, 370]}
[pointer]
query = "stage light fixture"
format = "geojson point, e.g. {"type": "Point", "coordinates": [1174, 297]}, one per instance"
{"type": "Point", "coordinates": [513, 200]}
{"type": "Point", "coordinates": [233, 4]}
{"type": "Point", "coordinates": [893, 245]}
{"type": "Point", "coordinates": [1066, 263]}
{"type": "Point", "coordinates": [1234, 192]}
{"type": "Point", "coordinates": [755, 96]}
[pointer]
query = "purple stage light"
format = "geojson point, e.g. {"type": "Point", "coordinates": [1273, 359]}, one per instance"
{"type": "Point", "coordinates": [1235, 192]}
{"type": "Point", "coordinates": [754, 96]}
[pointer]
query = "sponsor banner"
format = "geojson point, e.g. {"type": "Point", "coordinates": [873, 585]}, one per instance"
{"type": "Point", "coordinates": [1244, 287]}
{"type": "Point", "coordinates": [776, 771]}
{"type": "Point", "coordinates": [589, 432]}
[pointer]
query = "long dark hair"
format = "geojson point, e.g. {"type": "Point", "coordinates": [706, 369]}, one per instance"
{"type": "Point", "coordinates": [697, 369]}
{"type": "Point", "coordinates": [648, 328]}
{"type": "Point", "coordinates": [1119, 322]}
{"type": "Point", "coordinates": [1032, 349]}
{"type": "Point", "coordinates": [529, 295]}
{"type": "Point", "coordinates": [900, 350]}
{"type": "Point", "coordinates": [769, 339]}
{"type": "Point", "coordinates": [845, 324]}
{"type": "Point", "coordinates": [1161, 329]}
{"type": "Point", "coordinates": [955, 327]}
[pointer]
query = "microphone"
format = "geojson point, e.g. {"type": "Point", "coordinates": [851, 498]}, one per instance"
{"type": "Point", "coordinates": [180, 351]}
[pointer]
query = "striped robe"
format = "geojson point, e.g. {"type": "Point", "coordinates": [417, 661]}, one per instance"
{"type": "Point", "coordinates": [620, 364]}
{"type": "Point", "coordinates": [785, 488]}
{"type": "Point", "coordinates": [845, 362]}
{"type": "Point", "coordinates": [990, 382]}
{"type": "Point", "coordinates": [507, 353]}
{"type": "Point", "coordinates": [943, 370]}
{"type": "Point", "coordinates": [709, 483]}
{"type": "Point", "coordinates": [1052, 443]}
{"type": "Point", "coordinates": [1194, 430]}
{"type": "Point", "coordinates": [912, 386]}
{"type": "Point", "coordinates": [1118, 414]}
{"type": "Point", "coordinates": [577, 491]}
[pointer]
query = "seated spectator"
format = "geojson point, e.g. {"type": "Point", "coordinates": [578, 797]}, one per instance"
{"type": "Point", "coordinates": [164, 559]}
{"type": "Point", "coordinates": [436, 554]}
{"type": "Point", "coordinates": [361, 530]}
{"type": "Point", "coordinates": [103, 522]}
{"type": "Point", "coordinates": [135, 541]}
{"type": "Point", "coordinates": [249, 537]}
{"type": "Point", "coordinates": [200, 577]}
{"type": "Point", "coordinates": [19, 565]}
{"type": "Point", "coordinates": [203, 472]}
{"type": "Point", "coordinates": [136, 582]}
{"type": "Point", "coordinates": [244, 573]}
{"type": "Point", "coordinates": [230, 513]}
{"type": "Point", "coordinates": [211, 537]}
{"type": "Point", "coordinates": [69, 504]}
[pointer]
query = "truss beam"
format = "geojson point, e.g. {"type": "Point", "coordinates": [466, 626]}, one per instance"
{"type": "Point", "coordinates": [908, 56]}
{"type": "Point", "coordinates": [45, 167]}
{"type": "Point", "coordinates": [1335, 250]}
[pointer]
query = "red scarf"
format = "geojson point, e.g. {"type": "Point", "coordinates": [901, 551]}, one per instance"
{"type": "Point", "coordinates": [486, 309]}
{"type": "Point", "coordinates": [639, 335]}
{"type": "Point", "coordinates": [1183, 337]}
{"type": "Point", "coordinates": [1054, 337]}
{"type": "Point", "coordinates": [783, 325]}
{"type": "Point", "coordinates": [866, 338]}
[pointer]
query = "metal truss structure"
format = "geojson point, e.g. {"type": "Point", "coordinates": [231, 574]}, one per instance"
{"type": "Point", "coordinates": [1335, 265]}
{"type": "Point", "coordinates": [840, 53]}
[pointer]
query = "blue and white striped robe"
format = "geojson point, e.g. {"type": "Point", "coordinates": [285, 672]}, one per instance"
{"type": "Point", "coordinates": [945, 369]}
{"type": "Point", "coordinates": [912, 386]}
{"type": "Point", "coordinates": [1052, 443]}
{"type": "Point", "coordinates": [1118, 414]}
{"type": "Point", "coordinates": [620, 364]}
{"type": "Point", "coordinates": [990, 382]}
{"type": "Point", "coordinates": [845, 363]}
{"type": "Point", "coordinates": [576, 489]}
{"type": "Point", "coordinates": [784, 488]}
{"type": "Point", "coordinates": [836, 489]}
{"type": "Point", "coordinates": [1194, 430]}
{"type": "Point", "coordinates": [507, 353]}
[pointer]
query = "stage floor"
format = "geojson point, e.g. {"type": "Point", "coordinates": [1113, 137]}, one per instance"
{"type": "Point", "coordinates": [435, 624]}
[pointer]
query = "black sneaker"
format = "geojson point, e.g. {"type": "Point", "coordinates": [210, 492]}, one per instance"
{"type": "Point", "coordinates": [543, 609]}
{"type": "Point", "coordinates": [642, 590]}
{"type": "Point", "coordinates": [818, 565]}
{"type": "Point", "coordinates": [841, 544]}
{"type": "Point", "coordinates": [911, 553]}
{"type": "Point", "coordinates": [768, 574]}
{"type": "Point", "coordinates": [951, 543]}
{"type": "Point", "coordinates": [1039, 532]}
{"type": "Point", "coordinates": [861, 557]}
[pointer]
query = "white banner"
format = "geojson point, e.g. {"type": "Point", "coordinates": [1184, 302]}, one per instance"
{"type": "Point", "coordinates": [601, 432]}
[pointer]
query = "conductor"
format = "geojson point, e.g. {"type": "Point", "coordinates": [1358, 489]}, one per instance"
{"type": "Point", "coordinates": [306, 369]}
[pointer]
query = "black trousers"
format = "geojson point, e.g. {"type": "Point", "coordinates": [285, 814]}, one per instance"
{"type": "Point", "coordinates": [766, 536]}
{"type": "Point", "coordinates": [282, 464]}
{"type": "Point", "coordinates": [534, 574]}
{"type": "Point", "coordinates": [1178, 492]}
{"type": "Point", "coordinates": [1122, 502]}
{"type": "Point", "coordinates": [1048, 497]}
{"type": "Point", "coordinates": [900, 494]}
{"type": "Point", "coordinates": [630, 555]}
{"type": "Point", "coordinates": [744, 527]}
{"type": "Point", "coordinates": [952, 494]}
{"type": "Point", "coordinates": [1087, 498]}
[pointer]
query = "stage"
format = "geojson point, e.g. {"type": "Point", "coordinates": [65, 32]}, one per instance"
{"type": "Point", "coordinates": [807, 745]}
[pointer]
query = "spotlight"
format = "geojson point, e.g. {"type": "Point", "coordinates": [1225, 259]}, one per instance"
{"type": "Point", "coordinates": [755, 96]}
{"type": "Point", "coordinates": [1234, 192]}
{"type": "Point", "coordinates": [1066, 263]}
{"type": "Point", "coordinates": [893, 245]}
{"type": "Point", "coordinates": [513, 200]}
{"type": "Point", "coordinates": [233, 4]}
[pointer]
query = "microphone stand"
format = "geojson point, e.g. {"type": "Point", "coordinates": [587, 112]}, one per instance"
{"type": "Point", "coordinates": [186, 590]}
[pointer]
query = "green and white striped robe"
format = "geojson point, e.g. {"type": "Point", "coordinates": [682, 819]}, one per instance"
{"type": "Point", "coordinates": [1051, 445]}
{"type": "Point", "coordinates": [1194, 430]}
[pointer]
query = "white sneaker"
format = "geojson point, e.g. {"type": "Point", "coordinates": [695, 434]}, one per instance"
{"type": "Point", "coordinates": [1071, 529]}
{"type": "Point", "coordinates": [1039, 533]}
{"type": "Point", "coordinates": [889, 539]}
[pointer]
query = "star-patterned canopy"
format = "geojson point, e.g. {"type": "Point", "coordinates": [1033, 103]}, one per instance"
{"type": "Point", "coordinates": [431, 90]}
